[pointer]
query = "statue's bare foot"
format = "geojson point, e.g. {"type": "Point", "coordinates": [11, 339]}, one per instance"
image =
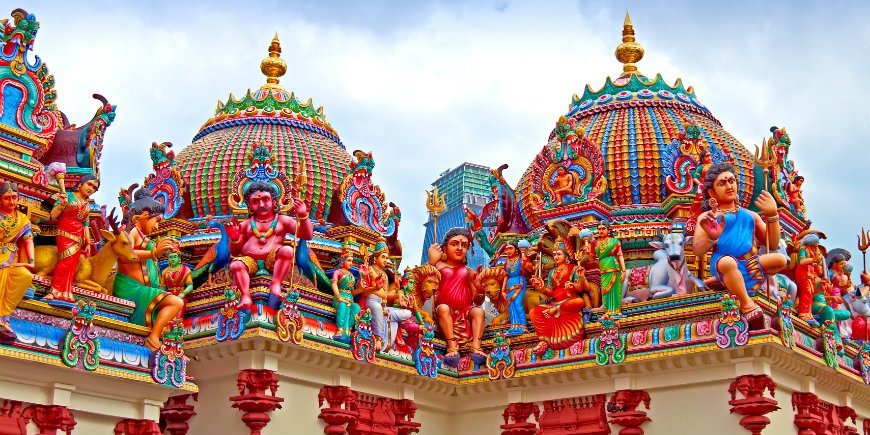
{"type": "Point", "coordinates": [245, 302]}
{"type": "Point", "coordinates": [276, 290]}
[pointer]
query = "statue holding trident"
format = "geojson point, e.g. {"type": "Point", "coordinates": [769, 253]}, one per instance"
{"type": "Point", "coordinates": [733, 233]}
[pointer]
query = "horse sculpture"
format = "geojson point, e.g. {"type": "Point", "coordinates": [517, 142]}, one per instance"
{"type": "Point", "coordinates": [667, 276]}
{"type": "Point", "coordinates": [93, 273]}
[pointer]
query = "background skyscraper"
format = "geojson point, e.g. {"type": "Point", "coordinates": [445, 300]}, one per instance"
{"type": "Point", "coordinates": [465, 185]}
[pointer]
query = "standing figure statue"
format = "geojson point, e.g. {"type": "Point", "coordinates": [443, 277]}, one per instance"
{"type": "Point", "coordinates": [16, 258]}
{"type": "Point", "coordinates": [611, 263]}
{"type": "Point", "coordinates": [828, 303]}
{"type": "Point", "coordinates": [808, 273]}
{"type": "Point", "coordinates": [71, 209]}
{"type": "Point", "coordinates": [258, 242]}
{"type": "Point", "coordinates": [139, 281]}
{"type": "Point", "coordinates": [373, 290]}
{"type": "Point", "coordinates": [459, 317]}
{"type": "Point", "coordinates": [343, 285]}
{"type": "Point", "coordinates": [732, 233]}
{"type": "Point", "coordinates": [796, 195]}
{"type": "Point", "coordinates": [176, 278]}
{"type": "Point", "coordinates": [514, 287]}
{"type": "Point", "coordinates": [558, 321]}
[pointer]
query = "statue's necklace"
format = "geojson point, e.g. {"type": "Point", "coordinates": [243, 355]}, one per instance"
{"type": "Point", "coordinates": [268, 233]}
{"type": "Point", "coordinates": [7, 223]}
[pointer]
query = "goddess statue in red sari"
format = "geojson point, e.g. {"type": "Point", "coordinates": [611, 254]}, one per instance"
{"type": "Point", "coordinates": [559, 321]}
{"type": "Point", "coordinates": [71, 210]}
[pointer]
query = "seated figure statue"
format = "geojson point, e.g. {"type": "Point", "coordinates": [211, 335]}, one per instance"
{"type": "Point", "coordinates": [457, 303]}
{"type": "Point", "coordinates": [16, 258]}
{"type": "Point", "coordinates": [374, 293]}
{"type": "Point", "coordinates": [139, 281]}
{"type": "Point", "coordinates": [733, 234]}
{"type": "Point", "coordinates": [258, 242]}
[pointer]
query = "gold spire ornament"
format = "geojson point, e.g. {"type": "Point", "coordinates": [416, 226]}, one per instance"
{"type": "Point", "coordinates": [435, 203]}
{"type": "Point", "coordinates": [629, 52]}
{"type": "Point", "coordinates": [273, 67]}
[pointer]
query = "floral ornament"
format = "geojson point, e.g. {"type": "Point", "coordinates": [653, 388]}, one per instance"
{"type": "Point", "coordinates": [81, 345]}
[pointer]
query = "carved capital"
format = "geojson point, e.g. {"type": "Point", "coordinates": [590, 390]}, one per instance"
{"type": "Point", "coordinates": [753, 405]}
{"type": "Point", "coordinates": [623, 410]}
{"type": "Point", "coordinates": [341, 409]}
{"type": "Point", "coordinates": [176, 412]}
{"type": "Point", "coordinates": [253, 400]}
{"type": "Point", "coordinates": [50, 418]}
{"type": "Point", "coordinates": [516, 417]}
{"type": "Point", "coordinates": [129, 426]}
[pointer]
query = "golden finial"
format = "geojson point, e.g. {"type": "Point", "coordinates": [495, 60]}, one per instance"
{"type": "Point", "coordinates": [629, 52]}
{"type": "Point", "coordinates": [273, 66]}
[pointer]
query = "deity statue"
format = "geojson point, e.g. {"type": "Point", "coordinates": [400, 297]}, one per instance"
{"type": "Point", "coordinates": [808, 273]}
{"type": "Point", "coordinates": [796, 195]}
{"type": "Point", "coordinates": [374, 293]}
{"type": "Point", "coordinates": [176, 278]}
{"type": "Point", "coordinates": [828, 301]}
{"type": "Point", "coordinates": [698, 176]}
{"type": "Point", "coordinates": [139, 281]}
{"type": "Point", "coordinates": [514, 287]}
{"type": "Point", "coordinates": [611, 263]}
{"type": "Point", "coordinates": [343, 285]}
{"type": "Point", "coordinates": [459, 317]}
{"type": "Point", "coordinates": [731, 232]}
{"type": "Point", "coordinates": [558, 321]}
{"type": "Point", "coordinates": [71, 210]}
{"type": "Point", "coordinates": [563, 186]}
{"type": "Point", "coordinates": [258, 242]}
{"type": "Point", "coordinates": [16, 258]}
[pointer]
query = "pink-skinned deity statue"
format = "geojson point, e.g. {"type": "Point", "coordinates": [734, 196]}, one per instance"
{"type": "Point", "coordinates": [258, 241]}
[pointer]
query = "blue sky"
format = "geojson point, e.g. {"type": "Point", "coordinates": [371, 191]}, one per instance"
{"type": "Point", "coordinates": [429, 85]}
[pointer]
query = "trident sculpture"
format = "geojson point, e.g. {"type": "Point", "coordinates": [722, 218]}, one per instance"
{"type": "Point", "coordinates": [299, 179]}
{"type": "Point", "coordinates": [863, 244]}
{"type": "Point", "coordinates": [435, 204]}
{"type": "Point", "coordinates": [765, 158]}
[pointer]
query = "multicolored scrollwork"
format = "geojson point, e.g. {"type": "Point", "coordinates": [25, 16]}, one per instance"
{"type": "Point", "coordinates": [166, 184]}
{"type": "Point", "coordinates": [499, 362]}
{"type": "Point", "coordinates": [168, 363]}
{"type": "Point", "coordinates": [258, 167]}
{"type": "Point", "coordinates": [611, 345]}
{"type": "Point", "coordinates": [230, 321]}
{"type": "Point", "coordinates": [362, 202]}
{"type": "Point", "coordinates": [81, 345]}
{"type": "Point", "coordinates": [425, 360]}
{"type": "Point", "coordinates": [732, 329]}
{"type": "Point", "coordinates": [289, 321]}
{"type": "Point", "coordinates": [576, 169]}
{"type": "Point", "coordinates": [362, 343]}
{"type": "Point", "coordinates": [784, 310]}
{"type": "Point", "coordinates": [864, 362]}
{"type": "Point", "coordinates": [830, 344]}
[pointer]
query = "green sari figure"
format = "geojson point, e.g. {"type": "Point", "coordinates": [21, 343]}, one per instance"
{"type": "Point", "coordinates": [611, 264]}
{"type": "Point", "coordinates": [346, 310]}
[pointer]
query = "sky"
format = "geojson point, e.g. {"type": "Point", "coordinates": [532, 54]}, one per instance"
{"type": "Point", "coordinates": [427, 86]}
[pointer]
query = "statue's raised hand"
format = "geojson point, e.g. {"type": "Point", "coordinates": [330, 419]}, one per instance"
{"type": "Point", "coordinates": [766, 204]}
{"type": "Point", "coordinates": [865, 278]}
{"type": "Point", "coordinates": [165, 244]}
{"type": "Point", "coordinates": [435, 252]}
{"type": "Point", "coordinates": [234, 230]}
{"type": "Point", "coordinates": [710, 223]}
{"type": "Point", "coordinates": [300, 209]}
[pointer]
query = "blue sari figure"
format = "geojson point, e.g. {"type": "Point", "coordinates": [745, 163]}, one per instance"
{"type": "Point", "coordinates": [736, 241]}
{"type": "Point", "coordinates": [515, 290]}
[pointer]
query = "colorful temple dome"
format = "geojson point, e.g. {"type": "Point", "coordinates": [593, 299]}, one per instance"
{"type": "Point", "coordinates": [297, 133]}
{"type": "Point", "coordinates": [624, 141]}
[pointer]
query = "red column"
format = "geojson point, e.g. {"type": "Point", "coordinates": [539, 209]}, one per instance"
{"type": "Point", "coordinates": [253, 400]}
{"type": "Point", "coordinates": [341, 410]}
{"type": "Point", "coordinates": [753, 405]}
{"type": "Point", "coordinates": [867, 426]}
{"type": "Point", "coordinates": [516, 417]}
{"type": "Point", "coordinates": [50, 418]}
{"type": "Point", "coordinates": [807, 417]}
{"type": "Point", "coordinates": [129, 426]}
{"type": "Point", "coordinates": [623, 410]}
{"type": "Point", "coordinates": [845, 413]}
{"type": "Point", "coordinates": [12, 419]}
{"type": "Point", "coordinates": [175, 414]}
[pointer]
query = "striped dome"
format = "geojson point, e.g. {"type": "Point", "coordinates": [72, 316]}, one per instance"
{"type": "Point", "coordinates": [634, 121]}
{"type": "Point", "coordinates": [296, 131]}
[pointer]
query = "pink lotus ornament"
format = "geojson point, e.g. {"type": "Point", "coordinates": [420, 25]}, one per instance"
{"type": "Point", "coordinates": [56, 172]}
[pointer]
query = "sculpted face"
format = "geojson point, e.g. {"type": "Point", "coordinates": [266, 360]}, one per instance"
{"type": "Point", "coordinates": [707, 159]}
{"type": "Point", "coordinates": [174, 259]}
{"type": "Point", "coordinates": [724, 188]}
{"type": "Point", "coordinates": [510, 251]}
{"type": "Point", "coordinates": [261, 204]}
{"type": "Point", "coordinates": [8, 202]}
{"type": "Point", "coordinates": [147, 223]}
{"type": "Point", "coordinates": [839, 267]}
{"type": "Point", "coordinates": [88, 188]}
{"type": "Point", "coordinates": [559, 257]}
{"type": "Point", "coordinates": [347, 263]}
{"type": "Point", "coordinates": [603, 231]}
{"type": "Point", "coordinates": [457, 248]}
{"type": "Point", "coordinates": [381, 260]}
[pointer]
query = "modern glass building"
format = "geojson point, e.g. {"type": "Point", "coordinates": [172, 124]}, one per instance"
{"type": "Point", "coordinates": [465, 185]}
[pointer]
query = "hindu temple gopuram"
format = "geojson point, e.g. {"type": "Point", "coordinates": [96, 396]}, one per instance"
{"type": "Point", "coordinates": [648, 274]}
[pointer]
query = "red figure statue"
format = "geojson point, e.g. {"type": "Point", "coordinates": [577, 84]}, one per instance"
{"type": "Point", "coordinates": [71, 210]}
